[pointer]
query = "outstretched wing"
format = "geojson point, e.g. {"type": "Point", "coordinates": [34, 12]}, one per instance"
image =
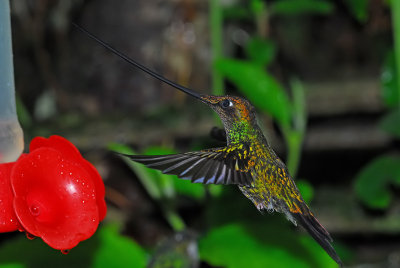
{"type": "Point", "coordinates": [227, 165]}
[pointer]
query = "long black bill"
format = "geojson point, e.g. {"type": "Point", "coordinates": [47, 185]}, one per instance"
{"type": "Point", "coordinates": [138, 65]}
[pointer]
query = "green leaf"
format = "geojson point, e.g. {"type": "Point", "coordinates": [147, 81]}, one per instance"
{"type": "Point", "coordinates": [257, 6]}
{"type": "Point", "coordinates": [298, 7]}
{"type": "Point", "coordinates": [358, 8]}
{"type": "Point", "coordinates": [391, 123]}
{"type": "Point", "coordinates": [117, 250]}
{"type": "Point", "coordinates": [259, 87]}
{"type": "Point", "coordinates": [185, 187]}
{"type": "Point", "coordinates": [306, 190]}
{"type": "Point", "coordinates": [390, 93]}
{"type": "Point", "coordinates": [261, 51]}
{"type": "Point", "coordinates": [107, 248]}
{"type": "Point", "coordinates": [372, 183]}
{"type": "Point", "coordinates": [232, 246]}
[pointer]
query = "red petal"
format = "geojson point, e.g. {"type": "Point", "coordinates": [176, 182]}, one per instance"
{"type": "Point", "coordinates": [8, 219]}
{"type": "Point", "coordinates": [55, 198]}
{"type": "Point", "coordinates": [69, 151]}
{"type": "Point", "coordinates": [58, 143]}
{"type": "Point", "coordinates": [99, 185]}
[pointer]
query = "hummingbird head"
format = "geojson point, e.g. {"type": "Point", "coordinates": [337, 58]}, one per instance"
{"type": "Point", "coordinates": [231, 109]}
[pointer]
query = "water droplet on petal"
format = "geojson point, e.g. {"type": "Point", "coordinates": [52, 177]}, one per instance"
{"type": "Point", "coordinates": [65, 251]}
{"type": "Point", "coordinates": [35, 211]}
{"type": "Point", "coordinates": [30, 236]}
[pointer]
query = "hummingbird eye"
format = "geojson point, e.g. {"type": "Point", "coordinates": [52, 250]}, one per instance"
{"type": "Point", "coordinates": [226, 103]}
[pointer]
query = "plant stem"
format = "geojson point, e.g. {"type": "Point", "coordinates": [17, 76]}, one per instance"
{"type": "Point", "coordinates": [173, 218]}
{"type": "Point", "coordinates": [294, 140]}
{"type": "Point", "coordinates": [216, 45]}
{"type": "Point", "coordinates": [294, 135]}
{"type": "Point", "coordinates": [396, 37]}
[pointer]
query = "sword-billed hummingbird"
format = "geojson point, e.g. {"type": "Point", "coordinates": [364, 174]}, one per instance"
{"type": "Point", "coordinates": [247, 160]}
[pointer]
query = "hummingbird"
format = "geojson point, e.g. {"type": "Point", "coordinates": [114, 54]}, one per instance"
{"type": "Point", "coordinates": [247, 160]}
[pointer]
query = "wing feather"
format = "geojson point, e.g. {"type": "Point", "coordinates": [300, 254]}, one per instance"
{"type": "Point", "coordinates": [213, 166]}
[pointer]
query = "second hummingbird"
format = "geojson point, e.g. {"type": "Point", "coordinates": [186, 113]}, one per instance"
{"type": "Point", "coordinates": [247, 160]}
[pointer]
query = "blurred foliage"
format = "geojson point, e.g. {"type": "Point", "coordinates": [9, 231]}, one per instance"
{"type": "Point", "coordinates": [261, 51]}
{"type": "Point", "coordinates": [391, 123]}
{"type": "Point", "coordinates": [358, 8]}
{"type": "Point", "coordinates": [24, 117]}
{"type": "Point", "coordinates": [258, 86]}
{"type": "Point", "coordinates": [261, 244]}
{"type": "Point", "coordinates": [372, 183]}
{"type": "Point", "coordinates": [299, 7]}
{"type": "Point", "coordinates": [99, 251]}
{"type": "Point", "coordinates": [306, 190]}
{"type": "Point", "coordinates": [231, 246]}
{"type": "Point", "coordinates": [252, 79]}
{"type": "Point", "coordinates": [389, 81]}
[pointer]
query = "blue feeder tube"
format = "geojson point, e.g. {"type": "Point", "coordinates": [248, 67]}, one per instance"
{"type": "Point", "coordinates": [11, 135]}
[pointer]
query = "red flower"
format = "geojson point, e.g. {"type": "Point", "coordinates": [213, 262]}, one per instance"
{"type": "Point", "coordinates": [8, 219]}
{"type": "Point", "coordinates": [57, 194]}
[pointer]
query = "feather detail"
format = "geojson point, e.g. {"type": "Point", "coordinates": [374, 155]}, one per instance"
{"type": "Point", "coordinates": [318, 232]}
{"type": "Point", "coordinates": [213, 166]}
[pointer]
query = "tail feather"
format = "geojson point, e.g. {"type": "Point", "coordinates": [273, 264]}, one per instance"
{"type": "Point", "coordinates": [318, 232]}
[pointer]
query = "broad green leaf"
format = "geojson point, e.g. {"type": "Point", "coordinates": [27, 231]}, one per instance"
{"type": "Point", "coordinates": [259, 87]}
{"type": "Point", "coordinates": [391, 123]}
{"type": "Point", "coordinates": [372, 183]}
{"type": "Point", "coordinates": [117, 250]}
{"type": "Point", "coordinates": [261, 51]}
{"type": "Point", "coordinates": [233, 246]}
{"type": "Point", "coordinates": [298, 7]}
{"type": "Point", "coordinates": [390, 93]}
{"type": "Point", "coordinates": [107, 248]}
{"type": "Point", "coordinates": [270, 230]}
{"type": "Point", "coordinates": [358, 8]}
